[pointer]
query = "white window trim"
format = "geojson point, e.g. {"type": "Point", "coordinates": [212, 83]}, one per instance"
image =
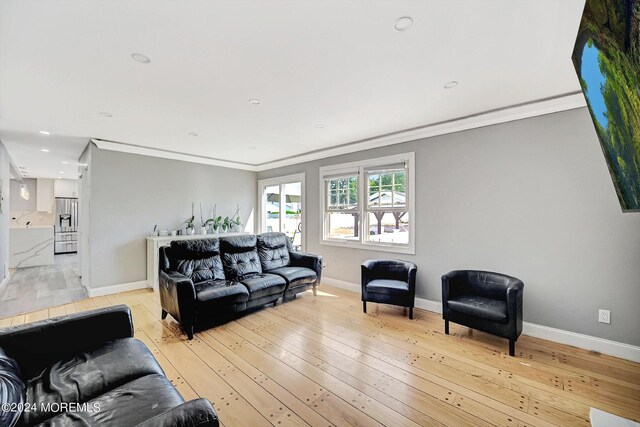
{"type": "Point", "coordinates": [358, 168]}
{"type": "Point", "coordinates": [298, 177]}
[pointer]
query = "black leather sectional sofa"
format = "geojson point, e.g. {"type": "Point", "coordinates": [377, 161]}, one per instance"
{"type": "Point", "coordinates": [86, 369]}
{"type": "Point", "coordinates": [211, 279]}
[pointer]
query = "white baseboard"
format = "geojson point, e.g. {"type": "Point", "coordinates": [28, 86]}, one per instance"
{"type": "Point", "coordinates": [114, 289]}
{"type": "Point", "coordinates": [587, 342]}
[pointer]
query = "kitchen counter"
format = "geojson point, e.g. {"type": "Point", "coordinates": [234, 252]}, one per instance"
{"type": "Point", "coordinates": [30, 246]}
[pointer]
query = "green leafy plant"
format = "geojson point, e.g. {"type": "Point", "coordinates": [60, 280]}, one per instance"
{"type": "Point", "coordinates": [215, 222]}
{"type": "Point", "coordinates": [226, 223]}
{"type": "Point", "coordinates": [189, 222]}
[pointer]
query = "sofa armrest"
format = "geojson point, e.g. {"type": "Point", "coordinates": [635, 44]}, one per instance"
{"type": "Point", "coordinates": [454, 283]}
{"type": "Point", "coordinates": [39, 344]}
{"type": "Point", "coordinates": [177, 296]}
{"type": "Point", "coordinates": [515, 292]}
{"type": "Point", "coordinates": [195, 413]}
{"type": "Point", "coordinates": [411, 278]}
{"type": "Point", "coordinates": [314, 262]}
{"type": "Point", "coordinates": [366, 270]}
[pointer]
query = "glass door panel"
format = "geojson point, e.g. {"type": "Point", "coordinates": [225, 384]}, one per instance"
{"type": "Point", "coordinates": [292, 218]}
{"type": "Point", "coordinates": [282, 208]}
{"type": "Point", "coordinates": [272, 208]}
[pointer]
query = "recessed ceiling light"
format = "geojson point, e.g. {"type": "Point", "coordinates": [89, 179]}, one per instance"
{"type": "Point", "coordinates": [44, 132]}
{"type": "Point", "coordinates": [65, 163]}
{"type": "Point", "coordinates": [403, 23]}
{"type": "Point", "coordinates": [60, 172]}
{"type": "Point", "coordinates": [451, 84]}
{"type": "Point", "coordinates": [59, 177]}
{"type": "Point", "coordinates": [252, 147]}
{"type": "Point", "coordinates": [319, 125]}
{"type": "Point", "coordinates": [193, 134]}
{"type": "Point", "coordinates": [255, 101]}
{"type": "Point", "coordinates": [105, 114]}
{"type": "Point", "coordinates": [144, 59]}
{"type": "Point", "coordinates": [46, 150]}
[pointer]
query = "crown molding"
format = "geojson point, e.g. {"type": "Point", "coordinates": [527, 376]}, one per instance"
{"type": "Point", "coordinates": [167, 154]}
{"type": "Point", "coordinates": [488, 118]}
{"type": "Point", "coordinates": [527, 110]}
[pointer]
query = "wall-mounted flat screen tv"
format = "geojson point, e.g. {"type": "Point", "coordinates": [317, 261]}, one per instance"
{"type": "Point", "coordinates": [607, 59]}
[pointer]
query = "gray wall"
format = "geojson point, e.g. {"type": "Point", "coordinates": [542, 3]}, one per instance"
{"type": "Point", "coordinates": [130, 193]}
{"type": "Point", "coordinates": [531, 198]}
{"type": "Point", "coordinates": [4, 216]}
{"type": "Point", "coordinates": [18, 204]}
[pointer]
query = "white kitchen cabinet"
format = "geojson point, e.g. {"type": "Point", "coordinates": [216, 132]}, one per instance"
{"type": "Point", "coordinates": [44, 199]}
{"type": "Point", "coordinates": [65, 188]}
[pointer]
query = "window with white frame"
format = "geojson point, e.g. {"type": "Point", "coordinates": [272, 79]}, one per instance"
{"type": "Point", "coordinates": [370, 204]}
{"type": "Point", "coordinates": [341, 207]}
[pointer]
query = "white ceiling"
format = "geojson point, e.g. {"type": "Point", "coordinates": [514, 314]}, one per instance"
{"type": "Point", "coordinates": [337, 63]}
{"type": "Point", "coordinates": [61, 161]}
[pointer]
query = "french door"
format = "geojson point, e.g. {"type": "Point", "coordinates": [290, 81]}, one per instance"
{"type": "Point", "coordinates": [281, 207]}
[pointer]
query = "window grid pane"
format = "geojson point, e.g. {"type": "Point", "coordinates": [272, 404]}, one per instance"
{"type": "Point", "coordinates": [387, 227]}
{"type": "Point", "coordinates": [342, 194]}
{"type": "Point", "coordinates": [387, 190]}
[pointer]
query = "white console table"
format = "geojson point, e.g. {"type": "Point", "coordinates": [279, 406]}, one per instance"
{"type": "Point", "coordinates": [154, 243]}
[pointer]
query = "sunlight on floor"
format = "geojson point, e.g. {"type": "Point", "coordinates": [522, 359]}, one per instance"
{"type": "Point", "coordinates": [325, 294]}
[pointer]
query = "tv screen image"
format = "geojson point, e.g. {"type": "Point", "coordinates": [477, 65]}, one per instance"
{"type": "Point", "coordinates": [607, 60]}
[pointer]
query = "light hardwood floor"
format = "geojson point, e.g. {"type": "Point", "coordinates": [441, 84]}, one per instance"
{"type": "Point", "coordinates": [320, 361]}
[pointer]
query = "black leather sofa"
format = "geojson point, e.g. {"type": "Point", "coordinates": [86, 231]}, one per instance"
{"type": "Point", "coordinates": [86, 369]}
{"type": "Point", "coordinates": [212, 279]}
{"type": "Point", "coordinates": [483, 300]}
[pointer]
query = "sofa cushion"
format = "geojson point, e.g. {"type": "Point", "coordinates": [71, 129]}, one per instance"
{"type": "Point", "coordinates": [240, 256]}
{"type": "Point", "coordinates": [388, 287]}
{"type": "Point", "coordinates": [478, 306]}
{"type": "Point", "coordinates": [262, 285]}
{"type": "Point", "coordinates": [296, 276]}
{"type": "Point", "coordinates": [127, 405]}
{"type": "Point", "coordinates": [12, 389]}
{"type": "Point", "coordinates": [221, 291]}
{"type": "Point", "coordinates": [273, 250]}
{"type": "Point", "coordinates": [89, 375]}
{"type": "Point", "coordinates": [199, 260]}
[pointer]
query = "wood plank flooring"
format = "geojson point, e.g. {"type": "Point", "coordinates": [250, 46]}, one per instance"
{"type": "Point", "coordinates": [319, 361]}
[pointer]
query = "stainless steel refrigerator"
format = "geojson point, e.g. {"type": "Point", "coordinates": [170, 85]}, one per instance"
{"type": "Point", "coordinates": [66, 225]}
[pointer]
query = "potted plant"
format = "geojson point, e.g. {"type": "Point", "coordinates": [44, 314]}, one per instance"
{"type": "Point", "coordinates": [226, 224]}
{"type": "Point", "coordinates": [191, 228]}
{"type": "Point", "coordinates": [203, 224]}
{"type": "Point", "coordinates": [234, 221]}
{"type": "Point", "coordinates": [214, 224]}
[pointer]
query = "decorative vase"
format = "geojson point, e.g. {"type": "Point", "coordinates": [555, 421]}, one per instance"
{"type": "Point", "coordinates": [191, 231]}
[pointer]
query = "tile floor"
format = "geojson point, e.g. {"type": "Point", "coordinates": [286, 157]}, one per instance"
{"type": "Point", "coordinates": [35, 288]}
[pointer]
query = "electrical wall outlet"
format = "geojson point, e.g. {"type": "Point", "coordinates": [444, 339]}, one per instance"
{"type": "Point", "coordinates": [604, 316]}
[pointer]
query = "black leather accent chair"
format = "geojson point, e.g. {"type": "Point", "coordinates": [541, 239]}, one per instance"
{"type": "Point", "coordinates": [193, 286]}
{"type": "Point", "coordinates": [300, 270]}
{"type": "Point", "coordinates": [483, 300]}
{"type": "Point", "coordinates": [389, 282]}
{"type": "Point", "coordinates": [208, 280]}
{"type": "Point", "coordinates": [90, 363]}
